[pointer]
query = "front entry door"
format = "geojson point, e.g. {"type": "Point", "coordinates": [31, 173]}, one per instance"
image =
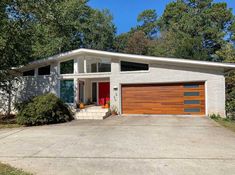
{"type": "Point", "coordinates": [104, 92]}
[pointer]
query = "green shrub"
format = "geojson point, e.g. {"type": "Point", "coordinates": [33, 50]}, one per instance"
{"type": "Point", "coordinates": [230, 95]}
{"type": "Point", "coordinates": [230, 105]}
{"type": "Point", "coordinates": [43, 109]}
{"type": "Point", "coordinates": [215, 116]}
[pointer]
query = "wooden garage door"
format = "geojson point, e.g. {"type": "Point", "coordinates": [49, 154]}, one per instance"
{"type": "Point", "coordinates": [180, 98]}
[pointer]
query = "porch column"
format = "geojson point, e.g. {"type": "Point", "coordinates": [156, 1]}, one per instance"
{"type": "Point", "coordinates": [76, 92]}
{"type": "Point", "coordinates": [75, 66]}
{"type": "Point", "coordinates": [85, 66]}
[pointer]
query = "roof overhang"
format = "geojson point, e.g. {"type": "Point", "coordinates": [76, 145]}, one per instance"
{"type": "Point", "coordinates": [83, 52]}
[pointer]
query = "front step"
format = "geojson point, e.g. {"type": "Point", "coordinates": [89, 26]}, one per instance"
{"type": "Point", "coordinates": [92, 113]}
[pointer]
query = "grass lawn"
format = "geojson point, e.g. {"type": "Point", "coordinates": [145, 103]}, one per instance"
{"type": "Point", "coordinates": [8, 122]}
{"type": "Point", "coordinates": [8, 170]}
{"type": "Point", "coordinates": [230, 124]}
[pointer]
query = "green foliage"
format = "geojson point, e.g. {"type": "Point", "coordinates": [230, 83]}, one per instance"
{"type": "Point", "coordinates": [61, 26]}
{"type": "Point", "coordinates": [230, 94]}
{"type": "Point", "coordinates": [227, 53]}
{"type": "Point", "coordinates": [43, 109]}
{"type": "Point", "coordinates": [120, 42]}
{"type": "Point", "coordinates": [149, 22]}
{"type": "Point", "coordinates": [8, 170]}
{"type": "Point", "coordinates": [37, 29]}
{"type": "Point", "coordinates": [197, 28]}
{"type": "Point", "coordinates": [215, 116]}
{"type": "Point", "coordinates": [138, 43]}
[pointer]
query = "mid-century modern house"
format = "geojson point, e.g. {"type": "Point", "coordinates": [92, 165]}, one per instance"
{"type": "Point", "coordinates": [134, 84]}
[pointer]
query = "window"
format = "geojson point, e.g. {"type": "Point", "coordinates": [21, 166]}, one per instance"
{"type": "Point", "coordinates": [192, 110]}
{"type": "Point", "coordinates": [94, 92]}
{"type": "Point", "coordinates": [93, 67]}
{"type": "Point", "coordinates": [29, 73]}
{"type": "Point", "coordinates": [104, 67]}
{"type": "Point", "coordinates": [67, 67]}
{"type": "Point", "coordinates": [191, 94]}
{"type": "Point", "coordinates": [191, 102]}
{"type": "Point", "coordinates": [44, 70]}
{"type": "Point", "coordinates": [131, 66]}
{"type": "Point", "coordinates": [191, 85]}
{"type": "Point", "coordinates": [67, 91]}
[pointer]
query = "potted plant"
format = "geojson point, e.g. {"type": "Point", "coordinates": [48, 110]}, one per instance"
{"type": "Point", "coordinates": [114, 110]}
{"type": "Point", "coordinates": [81, 105]}
{"type": "Point", "coordinates": [107, 105]}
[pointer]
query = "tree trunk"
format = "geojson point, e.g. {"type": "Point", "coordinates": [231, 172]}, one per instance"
{"type": "Point", "coordinates": [9, 103]}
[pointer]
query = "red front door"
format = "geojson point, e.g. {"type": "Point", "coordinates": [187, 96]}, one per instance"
{"type": "Point", "coordinates": [104, 92]}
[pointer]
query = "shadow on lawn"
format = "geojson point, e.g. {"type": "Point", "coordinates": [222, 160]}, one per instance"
{"type": "Point", "coordinates": [8, 121]}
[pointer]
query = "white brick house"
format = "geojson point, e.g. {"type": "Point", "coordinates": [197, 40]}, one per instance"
{"type": "Point", "coordinates": [133, 84]}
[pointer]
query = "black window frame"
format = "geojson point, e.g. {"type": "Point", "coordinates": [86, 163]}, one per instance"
{"type": "Point", "coordinates": [63, 69]}
{"type": "Point", "coordinates": [103, 66]}
{"type": "Point", "coordinates": [42, 70]}
{"type": "Point", "coordinates": [133, 69]}
{"type": "Point", "coordinates": [29, 73]}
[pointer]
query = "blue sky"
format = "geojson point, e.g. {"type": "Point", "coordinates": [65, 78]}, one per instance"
{"type": "Point", "coordinates": [125, 12]}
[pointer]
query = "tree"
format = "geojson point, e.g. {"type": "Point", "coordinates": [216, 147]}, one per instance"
{"type": "Point", "coordinates": [139, 39]}
{"type": "Point", "coordinates": [198, 27]}
{"type": "Point", "coordinates": [138, 43]}
{"type": "Point", "coordinates": [227, 53]}
{"type": "Point", "coordinates": [149, 22]}
{"type": "Point", "coordinates": [120, 42]}
{"type": "Point", "coordinates": [15, 49]}
{"type": "Point", "coordinates": [59, 26]}
{"type": "Point", "coordinates": [37, 29]}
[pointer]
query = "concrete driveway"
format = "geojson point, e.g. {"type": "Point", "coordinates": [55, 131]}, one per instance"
{"type": "Point", "coordinates": [122, 145]}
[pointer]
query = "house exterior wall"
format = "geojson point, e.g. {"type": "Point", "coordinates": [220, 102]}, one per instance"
{"type": "Point", "coordinates": [158, 73]}
{"type": "Point", "coordinates": [214, 81]}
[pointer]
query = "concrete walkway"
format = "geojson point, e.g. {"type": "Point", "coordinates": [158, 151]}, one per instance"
{"type": "Point", "coordinates": [122, 145]}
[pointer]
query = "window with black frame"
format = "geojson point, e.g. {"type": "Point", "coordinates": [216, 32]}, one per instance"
{"type": "Point", "coordinates": [46, 70]}
{"type": "Point", "coordinates": [104, 67]}
{"type": "Point", "coordinates": [67, 67]}
{"type": "Point", "coordinates": [132, 66]}
{"type": "Point", "coordinates": [29, 73]}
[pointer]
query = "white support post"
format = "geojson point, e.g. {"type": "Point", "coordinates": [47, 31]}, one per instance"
{"type": "Point", "coordinates": [58, 78]}
{"type": "Point", "coordinates": [75, 92]}
{"type": "Point", "coordinates": [75, 66]}
{"type": "Point", "coordinates": [85, 65]}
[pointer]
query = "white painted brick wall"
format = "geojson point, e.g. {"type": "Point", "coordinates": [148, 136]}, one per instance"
{"type": "Point", "coordinates": [215, 82]}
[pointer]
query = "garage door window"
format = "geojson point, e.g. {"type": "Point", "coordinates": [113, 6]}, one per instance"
{"type": "Point", "coordinates": [192, 110]}
{"type": "Point", "coordinates": [191, 85]}
{"type": "Point", "coordinates": [191, 102]}
{"type": "Point", "coordinates": [191, 94]}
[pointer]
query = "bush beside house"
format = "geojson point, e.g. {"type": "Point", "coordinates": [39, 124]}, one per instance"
{"type": "Point", "coordinates": [43, 109]}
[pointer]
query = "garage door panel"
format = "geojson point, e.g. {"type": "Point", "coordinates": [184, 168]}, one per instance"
{"type": "Point", "coordinates": [180, 98]}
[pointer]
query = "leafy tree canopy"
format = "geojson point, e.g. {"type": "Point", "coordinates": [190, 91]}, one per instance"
{"type": "Point", "coordinates": [198, 27]}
